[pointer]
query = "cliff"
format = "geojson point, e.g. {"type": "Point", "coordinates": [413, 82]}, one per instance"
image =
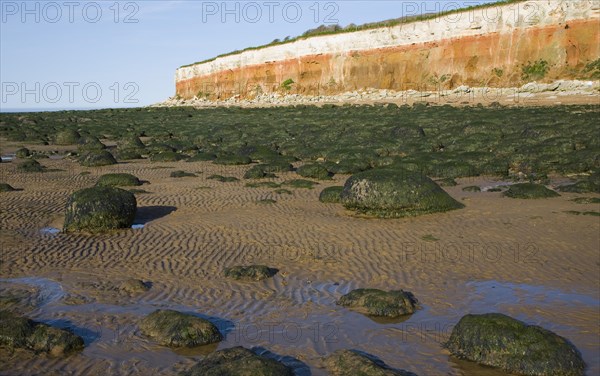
{"type": "Point", "coordinates": [501, 46]}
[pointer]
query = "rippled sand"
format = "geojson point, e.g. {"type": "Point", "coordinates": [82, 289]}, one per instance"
{"type": "Point", "coordinates": [525, 258]}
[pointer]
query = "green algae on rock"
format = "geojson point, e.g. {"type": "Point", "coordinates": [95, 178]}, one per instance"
{"type": "Point", "coordinates": [20, 332]}
{"type": "Point", "coordinates": [119, 180]}
{"type": "Point", "coordinates": [380, 303]}
{"type": "Point", "coordinates": [100, 209]}
{"type": "Point", "coordinates": [331, 195]}
{"type": "Point", "coordinates": [238, 361]}
{"type": "Point", "coordinates": [497, 340]}
{"type": "Point", "coordinates": [250, 273]}
{"type": "Point", "coordinates": [395, 192]}
{"type": "Point", "coordinates": [177, 329]}
{"type": "Point", "coordinates": [353, 362]}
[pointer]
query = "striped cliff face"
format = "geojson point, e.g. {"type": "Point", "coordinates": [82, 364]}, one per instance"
{"type": "Point", "coordinates": [498, 47]}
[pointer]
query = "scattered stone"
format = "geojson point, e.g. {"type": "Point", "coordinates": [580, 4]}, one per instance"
{"type": "Point", "coordinates": [497, 340]}
{"type": "Point", "coordinates": [134, 286]}
{"type": "Point", "coordinates": [300, 183]}
{"type": "Point", "coordinates": [67, 137]}
{"type": "Point", "coordinates": [223, 179]}
{"type": "Point", "coordinates": [231, 160]}
{"type": "Point", "coordinates": [586, 200]}
{"type": "Point", "coordinates": [22, 153]}
{"type": "Point", "coordinates": [20, 332]}
{"type": "Point", "coordinates": [471, 188]}
{"type": "Point", "coordinates": [250, 273]}
{"type": "Point", "coordinates": [176, 329]}
{"type": "Point", "coordinates": [353, 362]}
{"type": "Point", "coordinates": [181, 174]}
{"type": "Point", "coordinates": [447, 182]}
{"type": "Point", "coordinates": [529, 191]}
{"type": "Point", "coordinates": [118, 180]}
{"type": "Point", "coordinates": [394, 192]}
{"type": "Point", "coordinates": [583, 186]}
{"type": "Point", "coordinates": [314, 171]}
{"type": "Point", "coordinates": [30, 165]}
{"type": "Point", "coordinates": [100, 209]}
{"type": "Point", "coordinates": [97, 158]}
{"type": "Point", "coordinates": [331, 195]}
{"type": "Point", "coordinates": [5, 187]}
{"type": "Point", "coordinates": [380, 303]}
{"type": "Point", "coordinates": [238, 361]}
{"type": "Point", "coordinates": [167, 156]}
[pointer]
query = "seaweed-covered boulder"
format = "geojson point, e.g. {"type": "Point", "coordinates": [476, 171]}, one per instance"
{"type": "Point", "coordinates": [90, 143]}
{"type": "Point", "coordinates": [131, 142]}
{"type": "Point", "coordinates": [583, 186]}
{"type": "Point", "coordinates": [5, 187]}
{"type": "Point", "coordinates": [349, 166]}
{"type": "Point", "coordinates": [395, 192]}
{"type": "Point", "coordinates": [181, 174]}
{"type": "Point", "coordinates": [331, 195]}
{"type": "Point", "coordinates": [231, 160]}
{"type": "Point", "coordinates": [223, 179]}
{"type": "Point", "coordinates": [118, 180]}
{"type": "Point", "coordinates": [30, 165]}
{"type": "Point", "coordinates": [20, 332]}
{"type": "Point", "coordinates": [128, 154]}
{"type": "Point", "coordinates": [67, 137]}
{"type": "Point", "coordinates": [238, 361]}
{"type": "Point", "coordinates": [250, 273]}
{"type": "Point", "coordinates": [529, 191]}
{"type": "Point", "coordinates": [202, 156]}
{"type": "Point", "coordinates": [497, 340]}
{"type": "Point", "coordinates": [99, 209]}
{"type": "Point", "coordinates": [97, 158]}
{"type": "Point", "coordinates": [167, 156]}
{"type": "Point", "coordinates": [353, 362]}
{"type": "Point", "coordinates": [314, 171]}
{"type": "Point", "coordinates": [258, 172]}
{"type": "Point", "coordinates": [177, 329]}
{"type": "Point", "coordinates": [300, 183]}
{"type": "Point", "coordinates": [22, 153]}
{"type": "Point", "coordinates": [375, 302]}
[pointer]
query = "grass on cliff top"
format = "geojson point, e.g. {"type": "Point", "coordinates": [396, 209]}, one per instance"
{"type": "Point", "coordinates": [337, 29]}
{"type": "Point", "coordinates": [439, 141]}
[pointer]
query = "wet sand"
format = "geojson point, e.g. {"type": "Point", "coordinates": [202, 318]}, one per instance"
{"type": "Point", "coordinates": [525, 258]}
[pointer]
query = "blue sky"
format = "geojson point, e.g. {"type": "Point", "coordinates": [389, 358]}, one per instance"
{"type": "Point", "coordinates": [98, 54]}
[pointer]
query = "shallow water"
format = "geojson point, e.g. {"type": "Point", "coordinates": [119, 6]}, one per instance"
{"type": "Point", "coordinates": [322, 328]}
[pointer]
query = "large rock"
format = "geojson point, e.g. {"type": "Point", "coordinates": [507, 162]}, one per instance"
{"type": "Point", "coordinates": [118, 180]}
{"type": "Point", "coordinates": [497, 340]}
{"type": "Point", "coordinates": [99, 209]}
{"type": "Point", "coordinates": [395, 192]}
{"type": "Point", "coordinates": [314, 171]}
{"type": "Point", "coordinates": [238, 361]}
{"type": "Point", "coordinates": [20, 332]}
{"type": "Point", "coordinates": [331, 195]}
{"type": "Point", "coordinates": [176, 329]}
{"type": "Point", "coordinates": [30, 165]}
{"type": "Point", "coordinates": [67, 137]}
{"type": "Point", "coordinates": [250, 273]}
{"type": "Point", "coordinates": [97, 158]}
{"type": "Point", "coordinates": [352, 362]}
{"type": "Point", "coordinates": [380, 303]}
